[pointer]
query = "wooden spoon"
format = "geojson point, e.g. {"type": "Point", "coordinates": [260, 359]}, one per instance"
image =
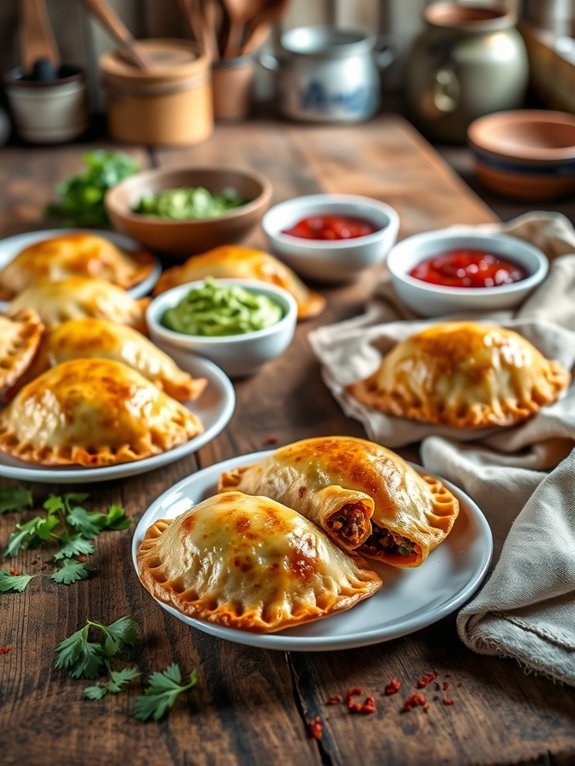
{"type": "Point", "coordinates": [116, 27]}
{"type": "Point", "coordinates": [240, 12]}
{"type": "Point", "coordinates": [37, 43]}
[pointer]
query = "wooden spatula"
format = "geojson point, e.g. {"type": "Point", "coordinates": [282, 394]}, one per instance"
{"type": "Point", "coordinates": [116, 27]}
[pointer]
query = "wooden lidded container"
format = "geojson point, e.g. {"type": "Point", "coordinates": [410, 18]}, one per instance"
{"type": "Point", "coordinates": [170, 104]}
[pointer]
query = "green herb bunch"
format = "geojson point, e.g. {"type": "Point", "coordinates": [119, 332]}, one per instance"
{"type": "Point", "coordinates": [64, 527]}
{"type": "Point", "coordinates": [81, 197]}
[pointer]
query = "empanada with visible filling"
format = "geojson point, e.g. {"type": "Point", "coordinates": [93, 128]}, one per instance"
{"type": "Point", "coordinates": [77, 297]}
{"type": "Point", "coordinates": [463, 374]}
{"type": "Point", "coordinates": [90, 337]}
{"type": "Point", "coordinates": [237, 262]}
{"type": "Point", "coordinates": [19, 338]}
{"type": "Point", "coordinates": [73, 254]}
{"type": "Point", "coordinates": [93, 412]}
{"type": "Point", "coordinates": [250, 563]}
{"type": "Point", "coordinates": [366, 497]}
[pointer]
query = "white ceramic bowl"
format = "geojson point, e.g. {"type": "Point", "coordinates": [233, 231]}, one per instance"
{"type": "Point", "coordinates": [237, 355]}
{"type": "Point", "coordinates": [430, 300]}
{"type": "Point", "coordinates": [331, 260]}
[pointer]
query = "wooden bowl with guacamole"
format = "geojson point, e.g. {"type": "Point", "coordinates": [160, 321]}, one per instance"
{"type": "Point", "coordinates": [239, 324]}
{"type": "Point", "coordinates": [182, 211]}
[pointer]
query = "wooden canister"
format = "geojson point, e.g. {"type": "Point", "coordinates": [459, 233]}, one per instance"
{"type": "Point", "coordinates": [171, 103]}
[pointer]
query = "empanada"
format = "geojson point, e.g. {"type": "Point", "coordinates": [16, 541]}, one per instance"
{"type": "Point", "coordinates": [366, 497]}
{"type": "Point", "coordinates": [93, 412]}
{"type": "Point", "coordinates": [250, 563]}
{"type": "Point", "coordinates": [237, 262]}
{"type": "Point", "coordinates": [463, 374]}
{"type": "Point", "coordinates": [19, 338]}
{"type": "Point", "coordinates": [90, 337]}
{"type": "Point", "coordinates": [74, 254]}
{"type": "Point", "coordinates": [77, 297]}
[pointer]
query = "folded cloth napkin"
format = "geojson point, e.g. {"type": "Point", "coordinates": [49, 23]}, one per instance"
{"type": "Point", "coordinates": [523, 478]}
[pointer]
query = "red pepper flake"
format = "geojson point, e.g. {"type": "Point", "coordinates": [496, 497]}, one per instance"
{"type": "Point", "coordinates": [392, 687]}
{"type": "Point", "coordinates": [445, 686]}
{"type": "Point", "coordinates": [447, 701]}
{"type": "Point", "coordinates": [412, 701]}
{"type": "Point", "coordinates": [426, 679]}
{"type": "Point", "coordinates": [448, 674]}
{"type": "Point", "coordinates": [14, 571]}
{"type": "Point", "coordinates": [354, 707]}
{"type": "Point", "coordinates": [350, 694]}
{"type": "Point", "coordinates": [82, 558]}
{"type": "Point", "coordinates": [335, 699]}
{"type": "Point", "coordinates": [34, 561]}
{"type": "Point", "coordinates": [369, 705]}
{"type": "Point", "coordinates": [315, 727]}
{"type": "Point", "coordinates": [5, 649]}
{"type": "Point", "coordinates": [269, 441]}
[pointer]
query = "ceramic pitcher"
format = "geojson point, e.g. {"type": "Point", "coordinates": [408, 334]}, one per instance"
{"type": "Point", "coordinates": [468, 61]}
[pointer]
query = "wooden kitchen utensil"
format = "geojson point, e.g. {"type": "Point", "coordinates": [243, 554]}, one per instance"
{"type": "Point", "coordinates": [37, 44]}
{"type": "Point", "coordinates": [116, 27]}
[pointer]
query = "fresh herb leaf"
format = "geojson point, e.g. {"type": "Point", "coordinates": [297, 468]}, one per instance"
{"type": "Point", "coordinates": [116, 520]}
{"type": "Point", "coordinates": [91, 523]}
{"type": "Point", "coordinates": [30, 533]}
{"type": "Point", "coordinates": [120, 635]}
{"type": "Point", "coordinates": [70, 571]}
{"type": "Point", "coordinates": [9, 581]}
{"type": "Point", "coordinates": [81, 197]}
{"type": "Point", "coordinates": [15, 499]}
{"type": "Point", "coordinates": [79, 656]}
{"type": "Point", "coordinates": [74, 545]}
{"type": "Point", "coordinates": [163, 689]}
{"type": "Point", "coordinates": [118, 680]}
{"type": "Point", "coordinates": [83, 658]}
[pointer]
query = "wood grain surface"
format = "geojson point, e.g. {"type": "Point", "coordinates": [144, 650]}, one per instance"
{"type": "Point", "coordinates": [252, 706]}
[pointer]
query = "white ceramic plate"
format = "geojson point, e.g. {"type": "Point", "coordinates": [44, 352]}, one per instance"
{"type": "Point", "coordinates": [214, 407]}
{"type": "Point", "coordinates": [11, 246]}
{"type": "Point", "coordinates": [409, 600]}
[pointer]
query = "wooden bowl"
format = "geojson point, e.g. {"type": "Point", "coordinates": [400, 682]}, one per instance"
{"type": "Point", "coordinates": [180, 239]}
{"type": "Point", "coordinates": [525, 154]}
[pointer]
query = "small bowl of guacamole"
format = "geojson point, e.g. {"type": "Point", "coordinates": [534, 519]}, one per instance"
{"type": "Point", "coordinates": [238, 324]}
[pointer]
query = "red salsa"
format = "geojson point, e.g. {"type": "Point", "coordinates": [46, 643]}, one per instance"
{"type": "Point", "coordinates": [468, 268]}
{"type": "Point", "coordinates": [331, 227]}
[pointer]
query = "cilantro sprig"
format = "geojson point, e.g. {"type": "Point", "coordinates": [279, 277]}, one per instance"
{"type": "Point", "coordinates": [66, 527]}
{"type": "Point", "coordinates": [11, 581]}
{"type": "Point", "coordinates": [163, 689]}
{"type": "Point", "coordinates": [15, 499]}
{"type": "Point", "coordinates": [81, 197]}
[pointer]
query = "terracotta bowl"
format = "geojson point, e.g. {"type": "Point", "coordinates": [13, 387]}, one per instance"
{"type": "Point", "coordinates": [180, 239]}
{"type": "Point", "coordinates": [525, 154]}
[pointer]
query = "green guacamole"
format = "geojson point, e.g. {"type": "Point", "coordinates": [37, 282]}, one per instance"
{"type": "Point", "coordinates": [186, 204]}
{"type": "Point", "coordinates": [216, 310]}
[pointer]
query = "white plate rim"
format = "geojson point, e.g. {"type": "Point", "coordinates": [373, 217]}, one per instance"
{"type": "Point", "coordinates": [283, 642]}
{"type": "Point", "coordinates": [18, 241]}
{"type": "Point", "coordinates": [199, 367]}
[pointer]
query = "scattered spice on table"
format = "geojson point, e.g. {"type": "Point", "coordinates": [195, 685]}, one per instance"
{"type": "Point", "coordinates": [392, 687]}
{"type": "Point", "coordinates": [315, 727]}
{"type": "Point", "coordinates": [334, 699]}
{"type": "Point", "coordinates": [413, 701]}
{"type": "Point", "coordinates": [426, 679]}
{"type": "Point", "coordinates": [5, 649]}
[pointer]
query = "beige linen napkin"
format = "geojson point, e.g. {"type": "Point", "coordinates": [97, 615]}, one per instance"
{"type": "Point", "coordinates": [523, 478]}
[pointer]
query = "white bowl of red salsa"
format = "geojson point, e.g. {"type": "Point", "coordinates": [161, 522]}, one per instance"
{"type": "Point", "coordinates": [331, 237]}
{"type": "Point", "coordinates": [442, 272]}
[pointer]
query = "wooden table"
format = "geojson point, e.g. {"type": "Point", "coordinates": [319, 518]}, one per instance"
{"type": "Point", "coordinates": [252, 706]}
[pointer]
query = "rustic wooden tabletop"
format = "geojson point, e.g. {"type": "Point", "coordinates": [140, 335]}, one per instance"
{"type": "Point", "coordinates": [254, 706]}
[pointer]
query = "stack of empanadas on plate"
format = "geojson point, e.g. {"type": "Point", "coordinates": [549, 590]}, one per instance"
{"type": "Point", "coordinates": [287, 539]}
{"type": "Point", "coordinates": [84, 386]}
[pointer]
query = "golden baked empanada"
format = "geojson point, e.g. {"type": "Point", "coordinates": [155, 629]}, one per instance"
{"type": "Point", "coordinates": [250, 563]}
{"type": "Point", "coordinates": [237, 262]}
{"type": "Point", "coordinates": [90, 337]}
{"type": "Point", "coordinates": [19, 338]}
{"type": "Point", "coordinates": [93, 412]}
{"type": "Point", "coordinates": [386, 509]}
{"type": "Point", "coordinates": [77, 297]}
{"type": "Point", "coordinates": [73, 254]}
{"type": "Point", "coordinates": [463, 374]}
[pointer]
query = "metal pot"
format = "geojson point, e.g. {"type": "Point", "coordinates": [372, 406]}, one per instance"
{"type": "Point", "coordinates": [325, 74]}
{"type": "Point", "coordinates": [468, 61]}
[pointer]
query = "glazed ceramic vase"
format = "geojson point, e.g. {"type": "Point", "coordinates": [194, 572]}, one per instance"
{"type": "Point", "coordinates": [468, 61]}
